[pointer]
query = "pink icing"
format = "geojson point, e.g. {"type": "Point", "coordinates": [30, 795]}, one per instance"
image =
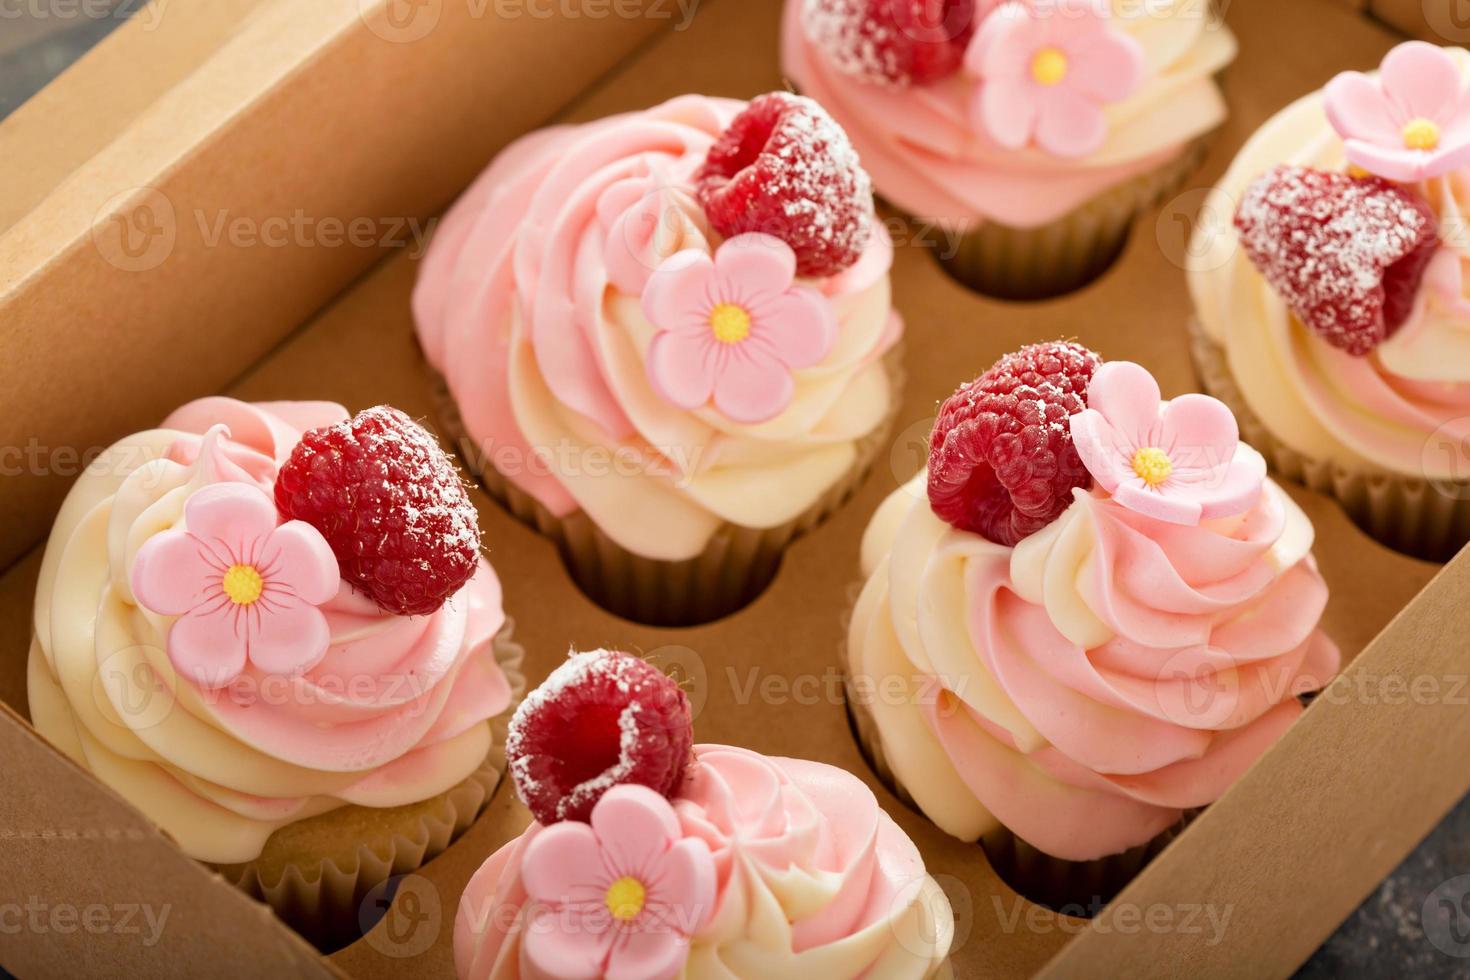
{"type": "Point", "coordinates": [750, 378]}
{"type": "Point", "coordinates": [922, 148]}
{"type": "Point", "coordinates": [1201, 470]}
{"type": "Point", "coordinates": [1418, 86]}
{"type": "Point", "coordinates": [1211, 647]}
{"type": "Point", "coordinates": [388, 690]}
{"type": "Point", "coordinates": [564, 222]}
{"type": "Point", "coordinates": [756, 816]}
{"type": "Point", "coordinates": [1061, 113]}
{"type": "Point", "coordinates": [234, 527]}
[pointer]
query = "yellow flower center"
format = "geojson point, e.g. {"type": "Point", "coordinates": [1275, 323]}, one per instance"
{"type": "Point", "coordinates": [1421, 134]}
{"type": "Point", "coordinates": [1049, 66]}
{"type": "Point", "coordinates": [243, 584]}
{"type": "Point", "coordinates": [1152, 465]}
{"type": "Point", "coordinates": [730, 323]}
{"type": "Point", "coordinates": [625, 898]}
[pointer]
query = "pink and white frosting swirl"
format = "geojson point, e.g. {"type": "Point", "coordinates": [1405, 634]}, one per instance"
{"type": "Point", "coordinates": [926, 154]}
{"type": "Point", "coordinates": [1403, 409]}
{"type": "Point", "coordinates": [813, 880]}
{"type": "Point", "coordinates": [529, 303]}
{"type": "Point", "coordinates": [395, 712]}
{"type": "Point", "coordinates": [1087, 687]}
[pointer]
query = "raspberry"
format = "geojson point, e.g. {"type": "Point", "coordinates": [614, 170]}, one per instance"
{"type": "Point", "coordinates": [1001, 459]}
{"type": "Point", "coordinates": [390, 503]}
{"type": "Point", "coordinates": [786, 169]}
{"type": "Point", "coordinates": [896, 43]}
{"type": "Point", "coordinates": [1347, 254]}
{"type": "Point", "coordinates": [601, 719]}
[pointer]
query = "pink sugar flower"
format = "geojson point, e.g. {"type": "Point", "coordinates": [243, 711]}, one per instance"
{"type": "Point", "coordinates": [1046, 71]}
{"type": "Point", "coordinates": [618, 899]}
{"type": "Point", "coordinates": [1180, 461]}
{"type": "Point", "coordinates": [734, 328]}
{"type": "Point", "coordinates": [242, 587]}
{"type": "Point", "coordinates": [1410, 123]}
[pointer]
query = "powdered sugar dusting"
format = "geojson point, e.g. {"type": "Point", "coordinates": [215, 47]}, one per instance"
{"type": "Point", "coordinates": [1332, 246]}
{"type": "Point", "coordinates": [786, 168]}
{"type": "Point", "coordinates": [652, 724]}
{"type": "Point", "coordinates": [891, 43]}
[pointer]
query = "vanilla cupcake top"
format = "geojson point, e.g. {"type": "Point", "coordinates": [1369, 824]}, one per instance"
{"type": "Point", "coordinates": [259, 613]}
{"type": "Point", "coordinates": [1339, 293]}
{"type": "Point", "coordinates": [968, 111]}
{"type": "Point", "coordinates": [655, 858]}
{"type": "Point", "coordinates": [1100, 610]}
{"type": "Point", "coordinates": [660, 317]}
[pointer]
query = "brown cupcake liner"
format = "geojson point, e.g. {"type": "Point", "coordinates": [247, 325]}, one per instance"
{"type": "Point", "coordinates": [361, 848]}
{"type": "Point", "coordinates": [1419, 517]}
{"type": "Point", "coordinates": [1067, 254]}
{"type": "Point", "coordinates": [733, 570]}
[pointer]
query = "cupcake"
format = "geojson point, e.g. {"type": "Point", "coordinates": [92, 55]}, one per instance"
{"type": "Point", "coordinates": [269, 628]}
{"type": "Point", "coordinates": [652, 859]}
{"type": "Point", "coordinates": [1023, 137]}
{"type": "Point", "coordinates": [666, 341]}
{"type": "Point", "coordinates": [1333, 317]}
{"type": "Point", "coordinates": [1088, 617]}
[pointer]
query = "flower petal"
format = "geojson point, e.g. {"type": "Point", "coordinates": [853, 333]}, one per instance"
{"type": "Point", "coordinates": [1199, 432]}
{"type": "Point", "coordinates": [682, 287]}
{"type": "Point", "coordinates": [753, 386]}
{"type": "Point", "coordinates": [298, 559]}
{"type": "Point", "coordinates": [757, 263]}
{"type": "Point", "coordinates": [286, 637]}
{"type": "Point", "coordinates": [1240, 487]}
{"type": "Point", "coordinates": [1106, 67]}
{"type": "Point", "coordinates": [1158, 503]}
{"type": "Point", "coordinates": [235, 516]}
{"type": "Point", "coordinates": [1069, 124]}
{"type": "Point", "coordinates": [1128, 397]}
{"type": "Point", "coordinates": [1096, 445]}
{"type": "Point", "coordinates": [174, 572]}
{"type": "Point", "coordinates": [207, 646]}
{"type": "Point", "coordinates": [1007, 109]}
{"type": "Point", "coordinates": [563, 864]}
{"type": "Point", "coordinates": [682, 367]}
{"type": "Point", "coordinates": [1404, 166]}
{"type": "Point", "coordinates": [1005, 43]}
{"type": "Point", "coordinates": [635, 828]}
{"type": "Point", "coordinates": [1421, 80]}
{"type": "Point", "coordinates": [559, 943]}
{"type": "Point", "coordinates": [687, 885]}
{"type": "Point", "coordinates": [1358, 109]}
{"type": "Point", "coordinates": [798, 327]}
{"type": "Point", "coordinates": [639, 954]}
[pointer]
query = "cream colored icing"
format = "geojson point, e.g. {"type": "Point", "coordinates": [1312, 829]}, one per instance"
{"type": "Point", "coordinates": [528, 304]}
{"type": "Point", "coordinates": [1377, 412]}
{"type": "Point", "coordinates": [922, 150]}
{"type": "Point", "coordinates": [1063, 688]}
{"type": "Point", "coordinates": [396, 712]}
{"type": "Point", "coordinates": [814, 880]}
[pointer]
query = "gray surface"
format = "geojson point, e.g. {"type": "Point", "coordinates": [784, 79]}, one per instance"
{"type": "Point", "coordinates": [1385, 938]}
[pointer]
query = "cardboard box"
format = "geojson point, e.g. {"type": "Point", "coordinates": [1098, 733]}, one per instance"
{"type": "Point", "coordinates": [381, 110]}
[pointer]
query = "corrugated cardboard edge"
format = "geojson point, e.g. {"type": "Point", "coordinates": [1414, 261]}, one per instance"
{"type": "Point", "coordinates": [145, 214]}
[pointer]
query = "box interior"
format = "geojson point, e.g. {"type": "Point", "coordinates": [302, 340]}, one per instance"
{"type": "Point", "coordinates": [1287, 853]}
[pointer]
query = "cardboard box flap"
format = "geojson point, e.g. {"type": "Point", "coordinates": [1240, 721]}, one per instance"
{"type": "Point", "coordinates": [137, 286]}
{"type": "Point", "coordinates": [81, 863]}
